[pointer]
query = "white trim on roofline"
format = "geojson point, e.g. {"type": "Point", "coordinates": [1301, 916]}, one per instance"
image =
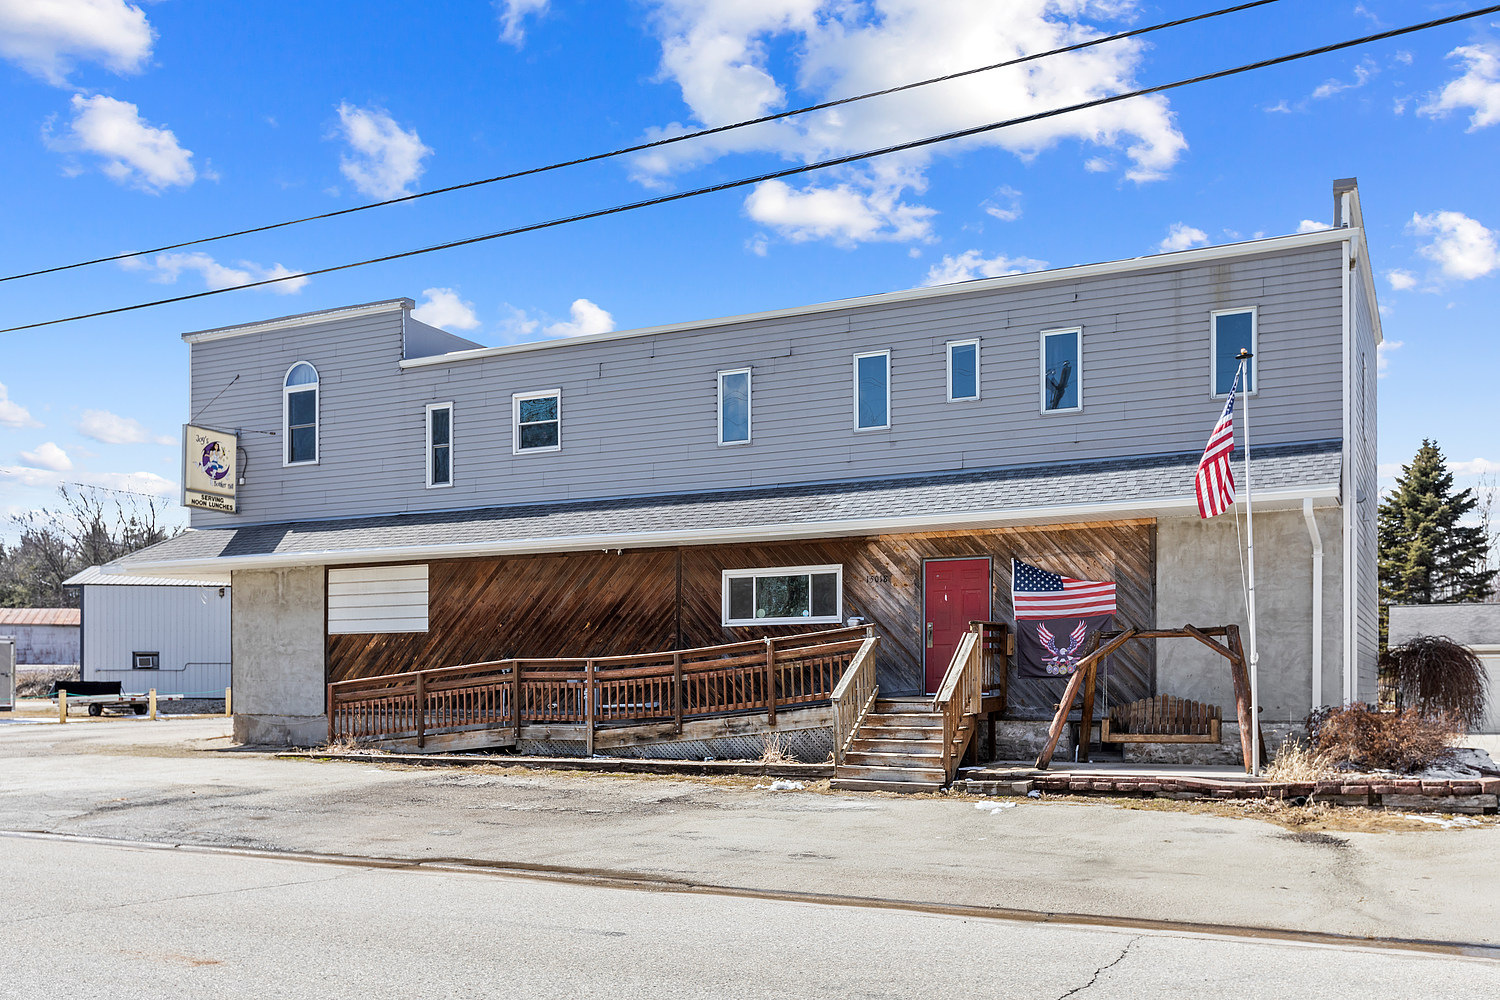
{"type": "Point", "coordinates": [300, 319]}
{"type": "Point", "coordinates": [1323, 495]}
{"type": "Point", "coordinates": [1151, 262]}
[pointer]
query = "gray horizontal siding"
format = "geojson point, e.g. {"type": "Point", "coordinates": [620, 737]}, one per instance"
{"type": "Point", "coordinates": [188, 626]}
{"type": "Point", "coordinates": [639, 413]}
{"type": "Point", "coordinates": [1361, 447]}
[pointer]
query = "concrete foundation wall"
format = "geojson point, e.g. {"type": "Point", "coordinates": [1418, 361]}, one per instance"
{"type": "Point", "coordinates": [1198, 581]}
{"type": "Point", "coordinates": [277, 645]}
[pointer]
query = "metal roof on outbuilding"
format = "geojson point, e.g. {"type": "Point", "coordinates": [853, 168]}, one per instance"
{"type": "Point", "coordinates": [1143, 486]}
{"type": "Point", "coordinates": [95, 576]}
{"type": "Point", "coordinates": [39, 616]}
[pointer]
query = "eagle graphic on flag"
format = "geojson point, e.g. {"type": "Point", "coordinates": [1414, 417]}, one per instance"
{"type": "Point", "coordinates": [1048, 605]}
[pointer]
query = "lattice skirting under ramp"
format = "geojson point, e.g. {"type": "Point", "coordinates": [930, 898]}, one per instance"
{"type": "Point", "coordinates": [811, 746]}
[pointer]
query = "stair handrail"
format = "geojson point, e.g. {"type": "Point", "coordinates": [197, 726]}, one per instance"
{"type": "Point", "coordinates": [853, 696]}
{"type": "Point", "coordinates": [959, 696]}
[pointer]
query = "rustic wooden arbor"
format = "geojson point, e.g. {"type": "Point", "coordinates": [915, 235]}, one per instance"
{"type": "Point", "coordinates": [1107, 642]}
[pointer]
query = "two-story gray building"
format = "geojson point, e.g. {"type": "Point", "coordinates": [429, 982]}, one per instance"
{"type": "Point", "coordinates": [410, 499]}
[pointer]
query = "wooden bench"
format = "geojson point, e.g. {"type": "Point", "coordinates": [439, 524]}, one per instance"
{"type": "Point", "coordinates": [1163, 719]}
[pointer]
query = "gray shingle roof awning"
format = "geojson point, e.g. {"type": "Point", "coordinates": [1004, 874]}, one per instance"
{"type": "Point", "coordinates": [1144, 486]}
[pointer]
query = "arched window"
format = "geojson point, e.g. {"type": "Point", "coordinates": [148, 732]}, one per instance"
{"type": "Point", "coordinates": [299, 415]}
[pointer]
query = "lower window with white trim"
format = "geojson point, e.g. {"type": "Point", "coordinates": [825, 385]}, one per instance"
{"type": "Point", "coordinates": [785, 595]}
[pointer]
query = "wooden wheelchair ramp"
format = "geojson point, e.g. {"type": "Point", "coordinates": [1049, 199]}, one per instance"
{"type": "Point", "coordinates": [737, 689]}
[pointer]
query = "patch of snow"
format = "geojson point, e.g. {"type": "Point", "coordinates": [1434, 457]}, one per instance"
{"type": "Point", "coordinates": [1033, 794]}
{"type": "Point", "coordinates": [1446, 822]}
{"type": "Point", "coordinates": [994, 807]}
{"type": "Point", "coordinates": [783, 785]}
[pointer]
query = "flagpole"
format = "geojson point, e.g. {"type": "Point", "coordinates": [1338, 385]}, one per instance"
{"type": "Point", "coordinates": [1244, 359]}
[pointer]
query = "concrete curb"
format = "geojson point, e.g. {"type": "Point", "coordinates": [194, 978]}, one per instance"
{"type": "Point", "coordinates": [617, 765]}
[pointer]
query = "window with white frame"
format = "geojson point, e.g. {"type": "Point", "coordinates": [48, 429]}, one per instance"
{"type": "Point", "coordinates": [299, 415]}
{"type": "Point", "coordinates": [872, 391]}
{"type": "Point", "coordinates": [1062, 370]}
{"type": "Point", "coordinates": [734, 406]}
{"type": "Point", "coordinates": [538, 420]}
{"type": "Point", "coordinates": [439, 445]}
{"type": "Point", "coordinates": [1232, 331]}
{"type": "Point", "coordinates": [963, 370]}
{"type": "Point", "coordinates": [788, 595]}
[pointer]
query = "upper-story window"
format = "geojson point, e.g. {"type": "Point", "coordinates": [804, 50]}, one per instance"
{"type": "Point", "coordinates": [439, 444]}
{"type": "Point", "coordinates": [1062, 370]}
{"type": "Point", "coordinates": [299, 415]}
{"type": "Point", "coordinates": [1233, 330]}
{"type": "Point", "coordinates": [734, 406]}
{"type": "Point", "coordinates": [963, 370]}
{"type": "Point", "coordinates": [872, 391]}
{"type": "Point", "coordinates": [538, 420]}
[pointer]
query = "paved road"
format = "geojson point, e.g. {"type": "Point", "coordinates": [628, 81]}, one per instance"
{"type": "Point", "coordinates": [87, 920]}
{"type": "Point", "coordinates": [147, 781]}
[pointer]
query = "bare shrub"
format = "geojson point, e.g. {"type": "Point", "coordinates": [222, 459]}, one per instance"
{"type": "Point", "coordinates": [1437, 677]}
{"type": "Point", "coordinates": [1356, 738]}
{"type": "Point", "coordinates": [36, 682]}
{"type": "Point", "coordinates": [347, 745]}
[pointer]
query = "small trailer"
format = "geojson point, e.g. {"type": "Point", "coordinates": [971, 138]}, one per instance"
{"type": "Point", "coordinates": [100, 696]}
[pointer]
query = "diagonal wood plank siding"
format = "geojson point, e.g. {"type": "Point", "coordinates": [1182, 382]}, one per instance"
{"type": "Point", "coordinates": [602, 603]}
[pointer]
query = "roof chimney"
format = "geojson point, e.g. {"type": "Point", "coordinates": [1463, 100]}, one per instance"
{"type": "Point", "coordinates": [1346, 211]}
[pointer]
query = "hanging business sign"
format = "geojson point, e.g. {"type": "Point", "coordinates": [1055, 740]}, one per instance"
{"type": "Point", "coordinates": [209, 460]}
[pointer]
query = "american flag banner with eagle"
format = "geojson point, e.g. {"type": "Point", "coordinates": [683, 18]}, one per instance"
{"type": "Point", "coordinates": [1055, 616]}
{"type": "Point", "coordinates": [1214, 483]}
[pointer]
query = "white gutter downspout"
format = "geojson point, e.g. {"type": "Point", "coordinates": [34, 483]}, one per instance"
{"type": "Point", "coordinates": [1317, 602]}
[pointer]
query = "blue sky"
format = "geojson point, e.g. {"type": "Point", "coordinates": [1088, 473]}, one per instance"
{"type": "Point", "coordinates": [134, 126]}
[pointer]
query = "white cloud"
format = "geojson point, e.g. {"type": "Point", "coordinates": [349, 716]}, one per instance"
{"type": "Point", "coordinates": [1312, 226]}
{"type": "Point", "coordinates": [1182, 236]}
{"type": "Point", "coordinates": [1461, 246]}
{"type": "Point", "coordinates": [46, 37]}
{"type": "Point", "coordinates": [1005, 205]}
{"type": "Point", "coordinates": [1096, 165]}
{"type": "Point", "coordinates": [513, 14]}
{"type": "Point", "coordinates": [1474, 467]}
{"type": "Point", "coordinates": [385, 160]}
{"type": "Point", "coordinates": [111, 428]}
{"type": "Point", "coordinates": [1362, 74]}
{"type": "Point", "coordinates": [132, 482]}
{"type": "Point", "coordinates": [1478, 89]}
{"type": "Point", "coordinates": [587, 318]}
{"type": "Point", "coordinates": [48, 456]}
{"type": "Point", "coordinates": [133, 151]}
{"type": "Point", "coordinates": [734, 59]}
{"type": "Point", "coordinates": [13, 414]}
{"type": "Point", "coordinates": [443, 307]}
{"type": "Point", "coordinates": [841, 213]}
{"type": "Point", "coordinates": [1383, 355]}
{"type": "Point", "coordinates": [970, 265]}
{"type": "Point", "coordinates": [1401, 280]}
{"type": "Point", "coordinates": [166, 268]}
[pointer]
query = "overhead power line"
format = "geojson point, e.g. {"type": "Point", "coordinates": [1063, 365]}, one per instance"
{"type": "Point", "coordinates": [791, 171]}
{"type": "Point", "coordinates": [655, 144]}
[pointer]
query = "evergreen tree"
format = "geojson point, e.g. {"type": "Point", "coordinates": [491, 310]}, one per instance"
{"type": "Point", "coordinates": [1426, 555]}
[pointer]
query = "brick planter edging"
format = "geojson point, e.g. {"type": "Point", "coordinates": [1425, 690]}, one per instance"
{"type": "Point", "coordinates": [1455, 795]}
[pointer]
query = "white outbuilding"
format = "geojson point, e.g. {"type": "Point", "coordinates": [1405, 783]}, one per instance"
{"type": "Point", "coordinates": [149, 632]}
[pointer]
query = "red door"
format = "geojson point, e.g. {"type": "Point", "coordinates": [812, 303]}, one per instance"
{"type": "Point", "coordinates": [958, 592]}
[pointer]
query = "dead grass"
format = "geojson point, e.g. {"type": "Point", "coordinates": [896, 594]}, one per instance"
{"type": "Point", "coordinates": [1297, 761]}
{"type": "Point", "coordinates": [1311, 818]}
{"type": "Point", "coordinates": [776, 751]}
{"type": "Point", "coordinates": [347, 745]}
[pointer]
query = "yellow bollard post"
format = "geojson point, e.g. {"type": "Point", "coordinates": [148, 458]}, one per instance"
{"type": "Point", "coordinates": [151, 700]}
{"type": "Point", "coordinates": [62, 705]}
{"type": "Point", "coordinates": [227, 693]}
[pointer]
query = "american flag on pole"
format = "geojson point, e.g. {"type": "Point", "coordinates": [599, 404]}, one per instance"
{"type": "Point", "coordinates": [1038, 594]}
{"type": "Point", "coordinates": [1214, 483]}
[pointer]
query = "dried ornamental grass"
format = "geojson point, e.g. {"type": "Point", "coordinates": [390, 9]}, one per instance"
{"type": "Point", "coordinates": [1297, 760]}
{"type": "Point", "coordinates": [777, 750]}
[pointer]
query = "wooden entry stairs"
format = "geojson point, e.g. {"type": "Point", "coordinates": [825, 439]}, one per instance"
{"type": "Point", "coordinates": [917, 744]}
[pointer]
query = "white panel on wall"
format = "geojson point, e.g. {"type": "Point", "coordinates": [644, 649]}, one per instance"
{"type": "Point", "coordinates": [377, 599]}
